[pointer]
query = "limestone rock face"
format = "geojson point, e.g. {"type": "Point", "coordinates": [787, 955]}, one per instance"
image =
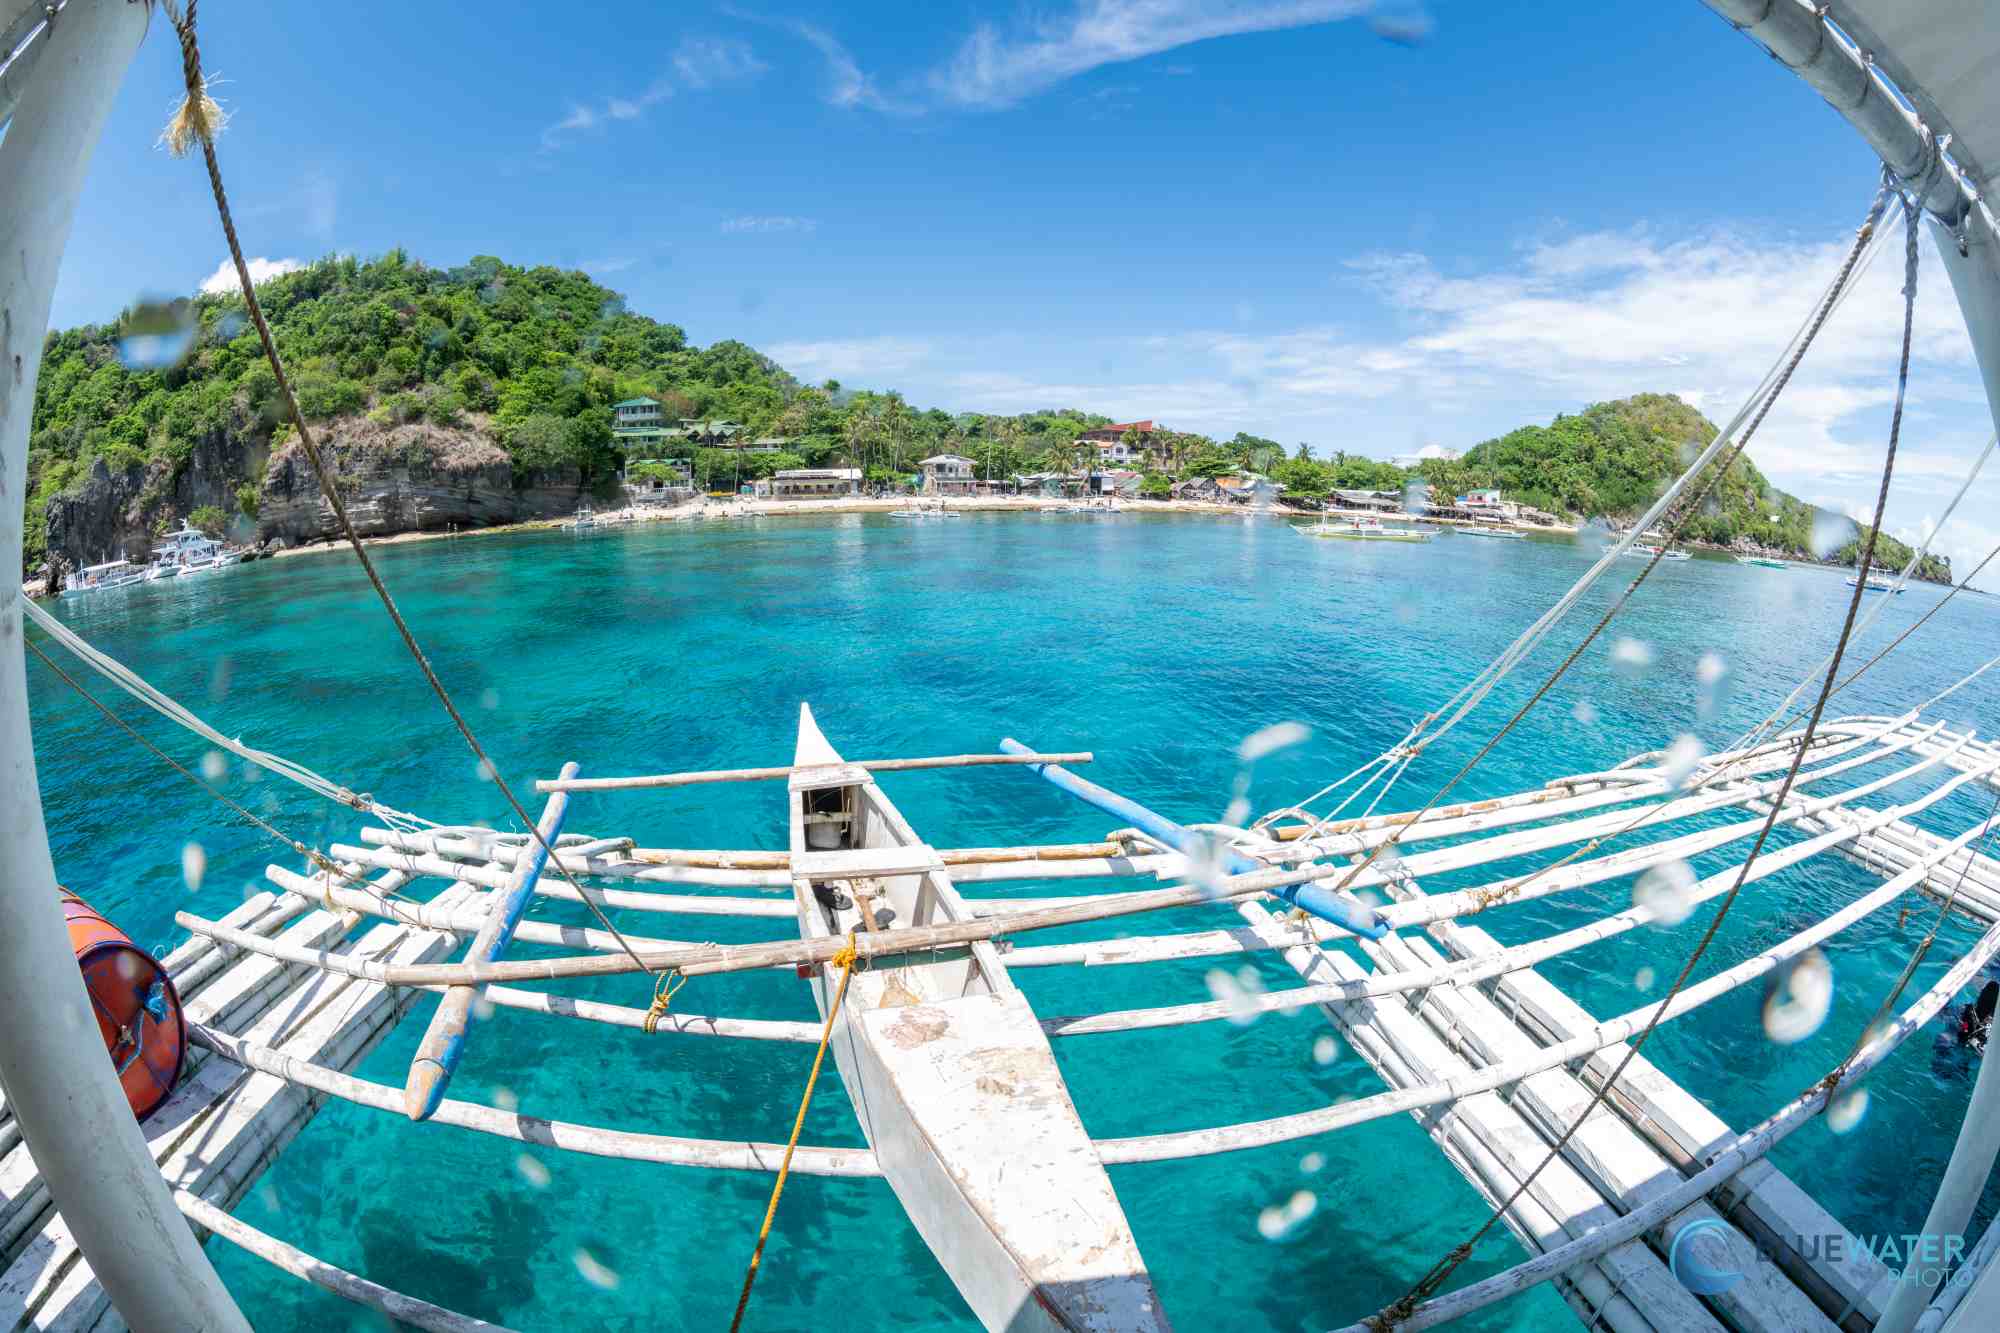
{"type": "Point", "coordinates": [407, 478]}
{"type": "Point", "coordinates": [120, 512]}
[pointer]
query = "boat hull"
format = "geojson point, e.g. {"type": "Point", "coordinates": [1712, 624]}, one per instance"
{"type": "Point", "coordinates": [952, 1078]}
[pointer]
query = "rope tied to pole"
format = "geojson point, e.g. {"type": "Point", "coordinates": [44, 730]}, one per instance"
{"type": "Point", "coordinates": [844, 960]}
{"type": "Point", "coordinates": [665, 987]}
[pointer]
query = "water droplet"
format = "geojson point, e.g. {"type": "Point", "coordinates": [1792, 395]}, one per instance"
{"type": "Point", "coordinates": [505, 1099]}
{"type": "Point", "coordinates": [1710, 670]}
{"type": "Point", "coordinates": [593, 1270]}
{"type": "Point", "coordinates": [484, 770]}
{"type": "Point", "coordinates": [214, 766]}
{"type": "Point", "coordinates": [1830, 532]}
{"type": "Point", "coordinates": [489, 699]}
{"type": "Point", "coordinates": [1644, 979]}
{"type": "Point", "coordinates": [1271, 739]}
{"type": "Point", "coordinates": [1585, 713]}
{"type": "Point", "coordinates": [1666, 893]}
{"type": "Point", "coordinates": [194, 864]}
{"type": "Point", "coordinates": [1312, 1163]}
{"type": "Point", "coordinates": [1238, 811]}
{"type": "Point", "coordinates": [156, 334]}
{"type": "Point", "coordinates": [1682, 757]}
{"type": "Point", "coordinates": [1238, 993]}
{"type": "Point", "coordinates": [532, 1171]}
{"type": "Point", "coordinates": [1844, 1112]}
{"type": "Point", "coordinates": [1280, 1221]}
{"type": "Point", "coordinates": [1631, 656]}
{"type": "Point", "coordinates": [1325, 1049]}
{"type": "Point", "coordinates": [1797, 998]}
{"type": "Point", "coordinates": [252, 773]}
{"type": "Point", "coordinates": [483, 1008]}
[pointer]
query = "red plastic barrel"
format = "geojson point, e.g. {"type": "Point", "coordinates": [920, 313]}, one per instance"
{"type": "Point", "coordinates": [137, 1008]}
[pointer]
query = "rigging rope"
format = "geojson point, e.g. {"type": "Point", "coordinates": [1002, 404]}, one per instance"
{"type": "Point", "coordinates": [845, 960]}
{"type": "Point", "coordinates": [197, 120]}
{"type": "Point", "coordinates": [313, 856]}
{"type": "Point", "coordinates": [1400, 1310]}
{"type": "Point", "coordinates": [1826, 308]}
{"type": "Point", "coordinates": [149, 694]}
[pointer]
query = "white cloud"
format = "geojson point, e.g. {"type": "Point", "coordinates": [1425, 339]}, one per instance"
{"type": "Point", "coordinates": [844, 358]}
{"type": "Point", "coordinates": [704, 61]}
{"type": "Point", "coordinates": [849, 87]}
{"type": "Point", "coordinates": [700, 62]}
{"type": "Point", "coordinates": [224, 280]}
{"type": "Point", "coordinates": [997, 69]}
{"type": "Point", "coordinates": [767, 223]}
{"type": "Point", "coordinates": [601, 267]}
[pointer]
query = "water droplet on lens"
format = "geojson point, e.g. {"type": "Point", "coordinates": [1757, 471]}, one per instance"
{"type": "Point", "coordinates": [1631, 656]}
{"type": "Point", "coordinates": [214, 766]}
{"type": "Point", "coordinates": [1271, 739]}
{"type": "Point", "coordinates": [1280, 1221]}
{"type": "Point", "coordinates": [1325, 1049]}
{"type": "Point", "coordinates": [1666, 893]}
{"type": "Point", "coordinates": [1644, 979]}
{"type": "Point", "coordinates": [532, 1171]}
{"type": "Point", "coordinates": [593, 1270]}
{"type": "Point", "coordinates": [505, 1099]}
{"type": "Point", "coordinates": [1312, 1163]}
{"type": "Point", "coordinates": [1844, 1112]}
{"type": "Point", "coordinates": [482, 1008]}
{"type": "Point", "coordinates": [489, 699]}
{"type": "Point", "coordinates": [1797, 998]}
{"type": "Point", "coordinates": [1238, 993]}
{"type": "Point", "coordinates": [1710, 670]}
{"type": "Point", "coordinates": [1682, 757]}
{"type": "Point", "coordinates": [1585, 713]}
{"type": "Point", "coordinates": [194, 864]}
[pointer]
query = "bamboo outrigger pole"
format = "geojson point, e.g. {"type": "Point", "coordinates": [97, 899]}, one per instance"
{"type": "Point", "coordinates": [60, 1087]}
{"type": "Point", "coordinates": [444, 1041]}
{"type": "Point", "coordinates": [786, 770]}
{"type": "Point", "coordinates": [1339, 909]}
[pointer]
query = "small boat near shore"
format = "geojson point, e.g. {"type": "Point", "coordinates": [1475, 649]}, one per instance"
{"type": "Point", "coordinates": [1761, 561]}
{"type": "Point", "coordinates": [189, 550]}
{"type": "Point", "coordinates": [1362, 530]}
{"type": "Point", "coordinates": [585, 519]}
{"type": "Point", "coordinates": [100, 578]}
{"type": "Point", "coordinates": [1646, 551]}
{"type": "Point", "coordinates": [1876, 583]}
{"type": "Point", "coordinates": [996, 1171]}
{"type": "Point", "coordinates": [1481, 530]}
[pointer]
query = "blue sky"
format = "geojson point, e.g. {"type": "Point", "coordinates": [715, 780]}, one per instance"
{"type": "Point", "coordinates": [1368, 226]}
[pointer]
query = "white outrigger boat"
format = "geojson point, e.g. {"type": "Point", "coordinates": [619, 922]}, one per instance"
{"type": "Point", "coordinates": [952, 1077]}
{"type": "Point", "coordinates": [1877, 583]}
{"type": "Point", "coordinates": [97, 578]}
{"type": "Point", "coordinates": [1363, 530]}
{"type": "Point", "coordinates": [189, 550]}
{"type": "Point", "coordinates": [1484, 530]}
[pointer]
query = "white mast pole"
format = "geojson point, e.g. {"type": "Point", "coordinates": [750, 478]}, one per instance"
{"type": "Point", "coordinates": [60, 1084]}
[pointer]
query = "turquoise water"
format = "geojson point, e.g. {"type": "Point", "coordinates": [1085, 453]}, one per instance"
{"type": "Point", "coordinates": [1159, 642]}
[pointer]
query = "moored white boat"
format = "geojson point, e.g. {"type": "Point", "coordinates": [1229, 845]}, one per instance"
{"type": "Point", "coordinates": [1363, 530]}
{"type": "Point", "coordinates": [1876, 583]}
{"type": "Point", "coordinates": [1483, 530]}
{"type": "Point", "coordinates": [110, 574]}
{"type": "Point", "coordinates": [952, 1078]}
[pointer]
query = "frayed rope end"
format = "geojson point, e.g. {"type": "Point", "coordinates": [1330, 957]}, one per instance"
{"type": "Point", "coordinates": [198, 119]}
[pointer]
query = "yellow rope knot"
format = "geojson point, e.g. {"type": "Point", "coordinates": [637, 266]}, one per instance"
{"type": "Point", "coordinates": [845, 959]}
{"type": "Point", "coordinates": [664, 990]}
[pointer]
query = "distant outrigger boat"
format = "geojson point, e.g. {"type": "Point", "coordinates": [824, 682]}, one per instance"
{"type": "Point", "coordinates": [586, 517]}
{"type": "Point", "coordinates": [1647, 551]}
{"type": "Point", "coordinates": [1482, 530]}
{"type": "Point", "coordinates": [190, 551]}
{"type": "Point", "coordinates": [1763, 561]}
{"type": "Point", "coordinates": [110, 574]}
{"type": "Point", "coordinates": [997, 1173]}
{"type": "Point", "coordinates": [1876, 583]}
{"type": "Point", "coordinates": [1363, 530]}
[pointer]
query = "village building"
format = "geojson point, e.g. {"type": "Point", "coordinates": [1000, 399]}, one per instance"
{"type": "Point", "coordinates": [815, 483]}
{"type": "Point", "coordinates": [1382, 502]}
{"type": "Point", "coordinates": [1144, 448]}
{"type": "Point", "coordinates": [948, 474]}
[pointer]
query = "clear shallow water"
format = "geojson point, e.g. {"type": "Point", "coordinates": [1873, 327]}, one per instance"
{"type": "Point", "coordinates": [1159, 643]}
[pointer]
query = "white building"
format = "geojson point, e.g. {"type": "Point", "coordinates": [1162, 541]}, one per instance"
{"type": "Point", "coordinates": [815, 483]}
{"type": "Point", "coordinates": [948, 474]}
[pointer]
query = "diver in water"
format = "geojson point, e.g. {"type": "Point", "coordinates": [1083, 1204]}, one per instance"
{"type": "Point", "coordinates": [1976, 1019]}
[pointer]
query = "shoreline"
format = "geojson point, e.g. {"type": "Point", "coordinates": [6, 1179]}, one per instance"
{"type": "Point", "coordinates": [711, 510]}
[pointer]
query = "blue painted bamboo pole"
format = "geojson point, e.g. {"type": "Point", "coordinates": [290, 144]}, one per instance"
{"type": "Point", "coordinates": [444, 1041]}
{"type": "Point", "coordinates": [1339, 908]}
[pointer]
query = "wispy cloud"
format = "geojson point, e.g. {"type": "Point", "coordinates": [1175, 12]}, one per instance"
{"type": "Point", "coordinates": [847, 84]}
{"type": "Point", "coordinates": [699, 62]}
{"type": "Point", "coordinates": [753, 222]}
{"type": "Point", "coordinates": [598, 268]}
{"type": "Point", "coordinates": [857, 358]}
{"type": "Point", "coordinates": [997, 68]}
{"type": "Point", "coordinates": [224, 280]}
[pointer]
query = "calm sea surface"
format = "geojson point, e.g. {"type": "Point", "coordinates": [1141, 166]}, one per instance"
{"type": "Point", "coordinates": [1159, 642]}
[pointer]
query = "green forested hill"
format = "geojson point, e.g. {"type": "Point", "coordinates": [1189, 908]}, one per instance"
{"type": "Point", "coordinates": [1613, 459]}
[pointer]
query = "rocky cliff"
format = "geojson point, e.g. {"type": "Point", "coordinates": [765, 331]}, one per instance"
{"type": "Point", "coordinates": [393, 479]}
{"type": "Point", "coordinates": [119, 512]}
{"type": "Point", "coordinates": [404, 479]}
